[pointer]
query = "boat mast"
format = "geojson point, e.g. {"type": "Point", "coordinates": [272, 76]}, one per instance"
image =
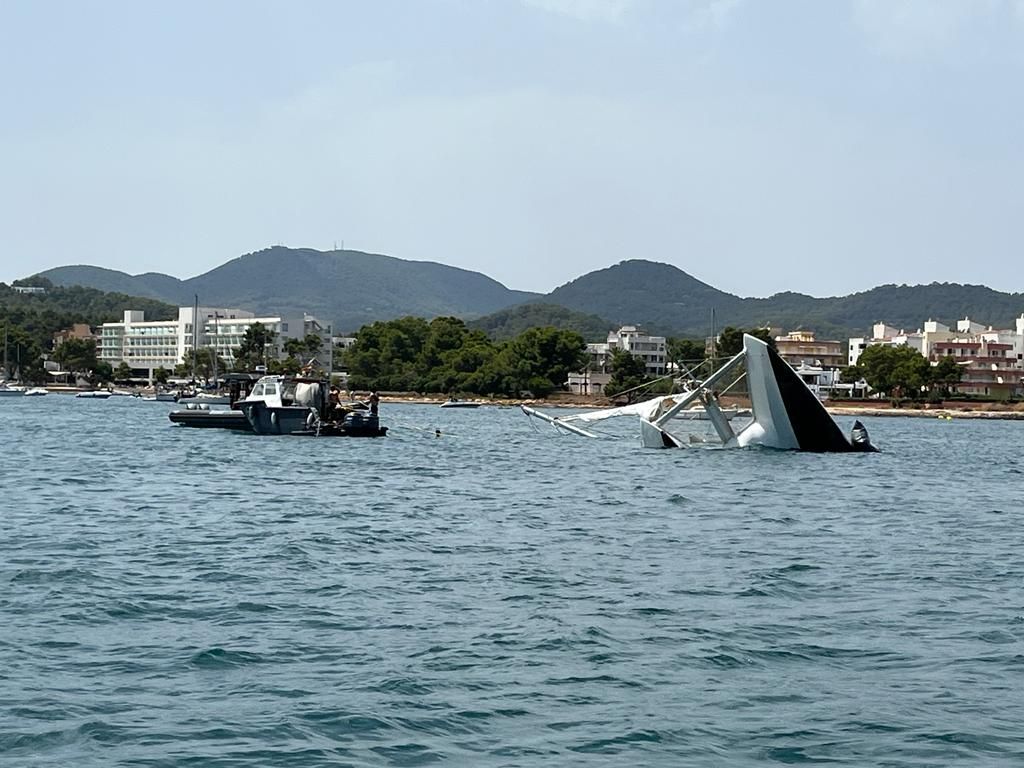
{"type": "Point", "coordinates": [5, 352]}
{"type": "Point", "coordinates": [215, 332]}
{"type": "Point", "coordinates": [195, 337]}
{"type": "Point", "coordinates": [713, 339]}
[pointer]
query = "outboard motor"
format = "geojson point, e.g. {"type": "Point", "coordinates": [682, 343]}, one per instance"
{"type": "Point", "coordinates": [859, 439]}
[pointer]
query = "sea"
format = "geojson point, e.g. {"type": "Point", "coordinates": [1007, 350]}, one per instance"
{"type": "Point", "coordinates": [503, 595]}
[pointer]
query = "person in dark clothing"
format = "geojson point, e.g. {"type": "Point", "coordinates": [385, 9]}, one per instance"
{"type": "Point", "coordinates": [374, 403]}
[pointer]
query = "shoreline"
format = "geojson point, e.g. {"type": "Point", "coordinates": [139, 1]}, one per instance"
{"type": "Point", "coordinates": [962, 410]}
{"type": "Point", "coordinates": [927, 413]}
{"type": "Point", "coordinates": [959, 411]}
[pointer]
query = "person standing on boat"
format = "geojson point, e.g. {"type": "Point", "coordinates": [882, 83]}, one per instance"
{"type": "Point", "coordinates": [374, 402]}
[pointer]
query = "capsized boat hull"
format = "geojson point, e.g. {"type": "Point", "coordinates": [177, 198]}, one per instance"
{"type": "Point", "coordinates": [786, 414]}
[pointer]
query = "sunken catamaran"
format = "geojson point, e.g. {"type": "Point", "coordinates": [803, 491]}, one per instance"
{"type": "Point", "coordinates": [784, 413]}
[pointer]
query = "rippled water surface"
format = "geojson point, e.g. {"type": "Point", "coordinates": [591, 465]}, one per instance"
{"type": "Point", "coordinates": [503, 596]}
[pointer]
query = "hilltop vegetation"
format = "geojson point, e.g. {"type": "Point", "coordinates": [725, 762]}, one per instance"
{"type": "Point", "coordinates": [351, 288]}
{"type": "Point", "coordinates": [667, 300]}
{"type": "Point", "coordinates": [508, 323]}
{"type": "Point", "coordinates": [345, 288]}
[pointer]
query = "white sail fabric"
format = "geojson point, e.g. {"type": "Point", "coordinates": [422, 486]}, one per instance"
{"type": "Point", "coordinates": [648, 409]}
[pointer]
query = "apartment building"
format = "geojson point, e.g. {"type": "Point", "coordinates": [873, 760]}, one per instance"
{"type": "Point", "coordinates": [651, 349]}
{"type": "Point", "coordinates": [992, 359]}
{"type": "Point", "coordinates": [802, 348]}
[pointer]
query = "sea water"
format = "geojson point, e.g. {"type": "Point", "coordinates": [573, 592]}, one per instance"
{"type": "Point", "coordinates": [503, 595]}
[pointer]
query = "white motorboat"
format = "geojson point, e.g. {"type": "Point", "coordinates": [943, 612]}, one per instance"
{"type": "Point", "coordinates": [36, 392]}
{"type": "Point", "coordinates": [286, 405]}
{"type": "Point", "coordinates": [98, 394]}
{"type": "Point", "coordinates": [454, 402]}
{"type": "Point", "coordinates": [11, 390]}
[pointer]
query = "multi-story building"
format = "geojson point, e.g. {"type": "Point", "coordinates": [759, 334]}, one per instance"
{"type": "Point", "coordinates": [148, 345]}
{"type": "Point", "coordinates": [650, 349]}
{"type": "Point", "coordinates": [802, 348]}
{"type": "Point", "coordinates": [923, 339]}
{"type": "Point", "coordinates": [989, 367]}
{"type": "Point", "coordinates": [629, 338]}
{"type": "Point", "coordinates": [992, 360]}
{"type": "Point", "coordinates": [880, 334]}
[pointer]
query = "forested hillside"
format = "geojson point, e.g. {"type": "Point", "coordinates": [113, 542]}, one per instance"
{"type": "Point", "coordinates": [346, 288]}
{"type": "Point", "coordinates": [507, 323]}
{"type": "Point", "coordinates": [667, 300]}
{"type": "Point", "coordinates": [352, 288]}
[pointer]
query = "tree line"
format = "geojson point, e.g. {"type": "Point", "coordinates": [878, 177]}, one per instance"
{"type": "Point", "coordinates": [412, 354]}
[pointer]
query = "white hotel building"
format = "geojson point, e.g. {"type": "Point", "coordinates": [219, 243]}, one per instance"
{"type": "Point", "coordinates": [148, 345]}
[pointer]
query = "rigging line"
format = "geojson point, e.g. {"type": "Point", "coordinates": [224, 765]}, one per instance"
{"type": "Point", "coordinates": [646, 384]}
{"type": "Point", "coordinates": [738, 380]}
{"type": "Point", "coordinates": [403, 425]}
{"type": "Point", "coordinates": [529, 418]}
{"type": "Point", "coordinates": [560, 428]}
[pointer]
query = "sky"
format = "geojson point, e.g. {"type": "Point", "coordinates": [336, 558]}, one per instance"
{"type": "Point", "coordinates": [793, 145]}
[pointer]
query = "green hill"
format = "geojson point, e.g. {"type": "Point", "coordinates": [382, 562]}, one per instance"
{"type": "Point", "coordinates": [509, 323]}
{"type": "Point", "coordinates": [660, 297]}
{"type": "Point", "coordinates": [666, 299]}
{"type": "Point", "coordinates": [352, 288]}
{"type": "Point", "coordinates": [348, 288]}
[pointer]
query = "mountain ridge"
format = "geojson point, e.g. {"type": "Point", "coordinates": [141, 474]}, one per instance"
{"type": "Point", "coordinates": [347, 288]}
{"type": "Point", "coordinates": [351, 288]}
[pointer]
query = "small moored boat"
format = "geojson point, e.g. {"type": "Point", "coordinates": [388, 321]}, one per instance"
{"type": "Point", "coordinates": [454, 402]}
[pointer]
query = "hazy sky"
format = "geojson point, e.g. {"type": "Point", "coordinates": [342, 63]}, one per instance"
{"type": "Point", "coordinates": [809, 145]}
